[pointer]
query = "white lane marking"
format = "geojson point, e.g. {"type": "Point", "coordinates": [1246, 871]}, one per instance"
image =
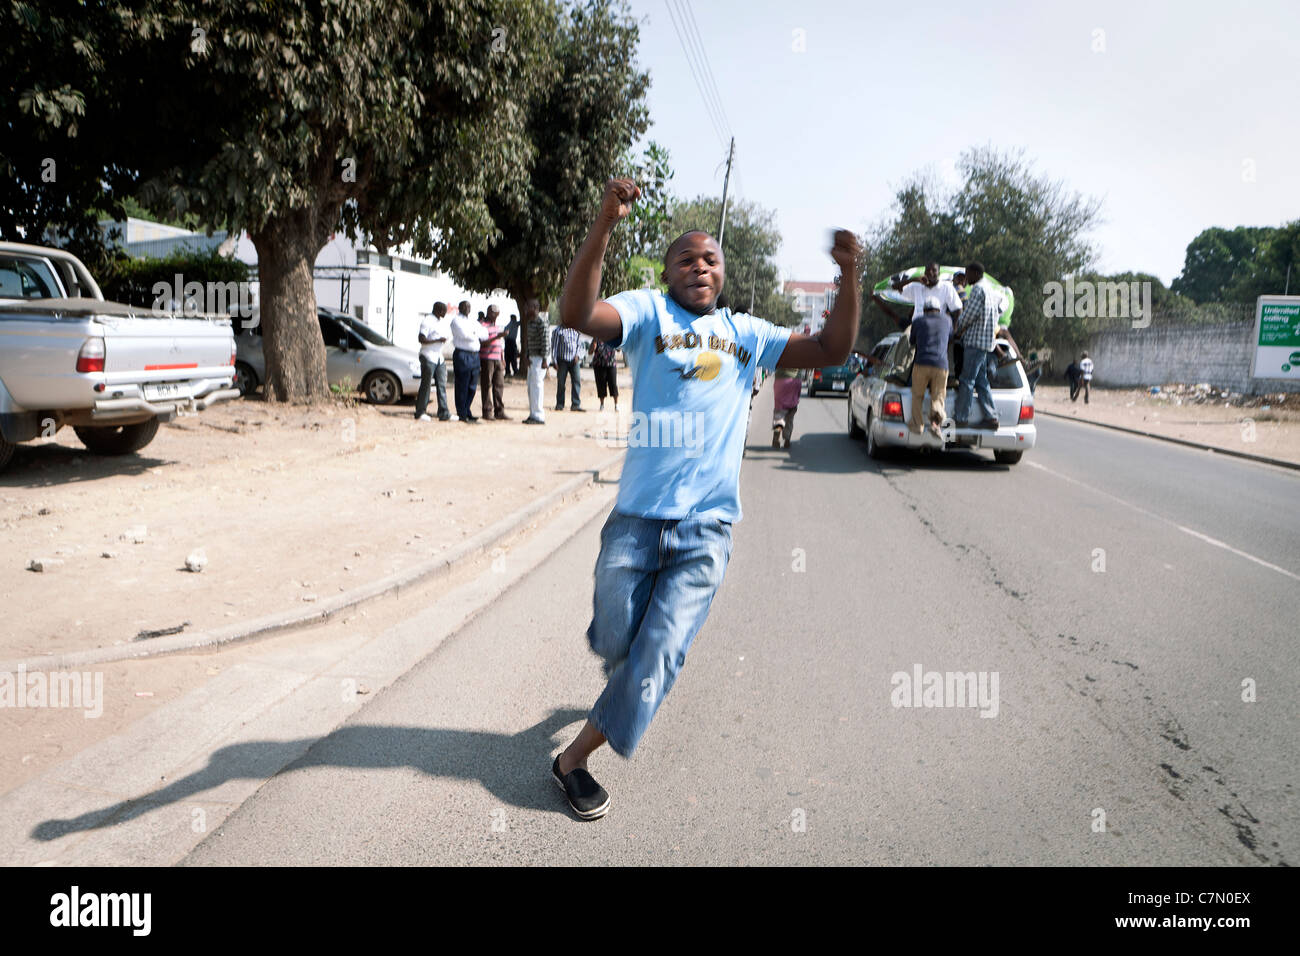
{"type": "Point", "coordinates": [1151, 514]}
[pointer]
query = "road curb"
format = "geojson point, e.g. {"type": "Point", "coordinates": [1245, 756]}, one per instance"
{"type": "Point", "coordinates": [325, 609]}
{"type": "Point", "coordinates": [1176, 441]}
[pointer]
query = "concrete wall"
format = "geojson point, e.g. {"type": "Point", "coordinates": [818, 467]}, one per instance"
{"type": "Point", "coordinates": [1219, 354]}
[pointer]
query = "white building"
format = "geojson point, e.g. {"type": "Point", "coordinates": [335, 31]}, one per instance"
{"type": "Point", "coordinates": [387, 292]}
{"type": "Point", "coordinates": [811, 301]}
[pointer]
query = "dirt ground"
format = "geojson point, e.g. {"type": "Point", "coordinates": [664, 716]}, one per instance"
{"type": "Point", "coordinates": [1267, 425]}
{"type": "Point", "coordinates": [289, 505]}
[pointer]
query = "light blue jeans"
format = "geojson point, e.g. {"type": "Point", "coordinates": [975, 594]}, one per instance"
{"type": "Point", "coordinates": [976, 369]}
{"type": "Point", "coordinates": [655, 582]}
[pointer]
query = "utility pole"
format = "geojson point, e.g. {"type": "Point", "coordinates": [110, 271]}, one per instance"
{"type": "Point", "coordinates": [726, 182]}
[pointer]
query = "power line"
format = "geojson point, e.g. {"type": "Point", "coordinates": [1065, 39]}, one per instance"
{"type": "Point", "coordinates": [699, 83]}
{"type": "Point", "coordinates": [704, 57]}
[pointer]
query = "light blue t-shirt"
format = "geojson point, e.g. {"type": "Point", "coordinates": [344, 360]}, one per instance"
{"type": "Point", "coordinates": [692, 378]}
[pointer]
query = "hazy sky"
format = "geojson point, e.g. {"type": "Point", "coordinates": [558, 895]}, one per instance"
{"type": "Point", "coordinates": [1189, 118]}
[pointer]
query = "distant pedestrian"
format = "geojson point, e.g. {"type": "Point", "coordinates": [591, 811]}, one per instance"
{"type": "Point", "coordinates": [492, 371]}
{"type": "Point", "coordinates": [434, 331]}
{"type": "Point", "coordinates": [786, 386]}
{"type": "Point", "coordinates": [512, 346]}
{"type": "Point", "coordinates": [1085, 376]}
{"type": "Point", "coordinates": [565, 343]}
{"type": "Point", "coordinates": [534, 345]}
{"type": "Point", "coordinates": [929, 333]}
{"type": "Point", "coordinates": [975, 328]}
{"type": "Point", "coordinates": [1072, 376]}
{"type": "Point", "coordinates": [604, 366]}
{"type": "Point", "coordinates": [468, 337]}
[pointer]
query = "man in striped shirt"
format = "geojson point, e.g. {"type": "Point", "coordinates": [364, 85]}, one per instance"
{"type": "Point", "coordinates": [975, 330]}
{"type": "Point", "coordinates": [492, 374]}
{"type": "Point", "coordinates": [565, 346]}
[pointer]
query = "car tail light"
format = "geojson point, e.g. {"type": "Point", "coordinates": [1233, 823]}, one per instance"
{"type": "Point", "coordinates": [817, 374]}
{"type": "Point", "coordinates": [91, 356]}
{"type": "Point", "coordinates": [891, 406]}
{"type": "Point", "coordinates": [1027, 410]}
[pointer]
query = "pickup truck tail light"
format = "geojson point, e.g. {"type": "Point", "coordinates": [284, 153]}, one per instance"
{"type": "Point", "coordinates": [891, 407]}
{"type": "Point", "coordinates": [233, 352]}
{"type": "Point", "coordinates": [1027, 410]}
{"type": "Point", "coordinates": [817, 375]}
{"type": "Point", "coordinates": [91, 356]}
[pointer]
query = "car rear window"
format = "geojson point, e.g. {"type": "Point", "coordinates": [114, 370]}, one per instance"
{"type": "Point", "coordinates": [22, 278]}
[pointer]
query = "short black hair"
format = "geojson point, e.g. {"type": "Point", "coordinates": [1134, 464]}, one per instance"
{"type": "Point", "coordinates": [974, 272]}
{"type": "Point", "coordinates": [464, 307]}
{"type": "Point", "coordinates": [689, 232]}
{"type": "Point", "coordinates": [440, 309]}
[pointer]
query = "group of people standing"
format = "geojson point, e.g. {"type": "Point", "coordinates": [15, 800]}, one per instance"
{"type": "Point", "coordinates": [483, 351]}
{"type": "Point", "coordinates": [479, 352]}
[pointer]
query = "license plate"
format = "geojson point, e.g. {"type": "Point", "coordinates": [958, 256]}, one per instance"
{"type": "Point", "coordinates": [164, 390]}
{"type": "Point", "coordinates": [837, 386]}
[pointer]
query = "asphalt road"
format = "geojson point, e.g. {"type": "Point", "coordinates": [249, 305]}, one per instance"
{"type": "Point", "coordinates": [1116, 732]}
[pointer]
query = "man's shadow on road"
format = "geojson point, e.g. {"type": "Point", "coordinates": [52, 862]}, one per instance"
{"type": "Point", "coordinates": [513, 767]}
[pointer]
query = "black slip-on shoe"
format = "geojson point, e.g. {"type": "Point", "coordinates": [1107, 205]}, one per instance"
{"type": "Point", "coordinates": [988, 425]}
{"type": "Point", "coordinates": [587, 798]}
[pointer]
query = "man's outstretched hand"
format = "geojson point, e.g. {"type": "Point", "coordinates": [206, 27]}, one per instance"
{"type": "Point", "coordinates": [845, 251]}
{"type": "Point", "coordinates": [619, 196]}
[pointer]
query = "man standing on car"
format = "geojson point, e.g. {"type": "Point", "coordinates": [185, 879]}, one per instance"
{"type": "Point", "coordinates": [929, 334]}
{"type": "Point", "coordinates": [919, 288]}
{"type": "Point", "coordinates": [433, 335]}
{"type": "Point", "coordinates": [665, 546]}
{"type": "Point", "coordinates": [975, 329]}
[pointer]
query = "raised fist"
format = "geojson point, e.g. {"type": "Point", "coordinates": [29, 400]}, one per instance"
{"type": "Point", "coordinates": [845, 251]}
{"type": "Point", "coordinates": [619, 196]}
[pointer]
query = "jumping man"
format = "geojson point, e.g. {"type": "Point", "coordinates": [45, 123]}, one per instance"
{"type": "Point", "coordinates": [665, 546]}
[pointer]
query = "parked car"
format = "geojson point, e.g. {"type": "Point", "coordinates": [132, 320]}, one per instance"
{"type": "Point", "coordinates": [355, 354]}
{"type": "Point", "coordinates": [111, 371]}
{"type": "Point", "coordinates": [880, 403]}
{"type": "Point", "coordinates": [835, 378]}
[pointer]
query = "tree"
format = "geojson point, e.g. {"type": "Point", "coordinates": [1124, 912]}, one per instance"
{"type": "Point", "coordinates": [749, 247]}
{"type": "Point", "coordinates": [369, 118]}
{"type": "Point", "coordinates": [643, 234]}
{"type": "Point", "coordinates": [1026, 228]}
{"type": "Point", "coordinates": [579, 121]}
{"type": "Point", "coordinates": [57, 69]}
{"type": "Point", "coordinates": [1240, 264]}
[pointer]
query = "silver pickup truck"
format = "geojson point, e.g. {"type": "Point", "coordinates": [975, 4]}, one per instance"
{"type": "Point", "coordinates": [111, 371]}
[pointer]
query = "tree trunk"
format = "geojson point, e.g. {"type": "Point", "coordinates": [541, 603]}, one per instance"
{"type": "Point", "coordinates": [291, 337]}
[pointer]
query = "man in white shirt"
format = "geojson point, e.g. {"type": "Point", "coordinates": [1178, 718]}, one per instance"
{"type": "Point", "coordinates": [919, 288]}
{"type": "Point", "coordinates": [1085, 373]}
{"type": "Point", "coordinates": [468, 337]}
{"type": "Point", "coordinates": [433, 334]}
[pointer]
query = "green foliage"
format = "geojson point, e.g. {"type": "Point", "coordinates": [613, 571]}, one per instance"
{"type": "Point", "coordinates": [749, 247]}
{"type": "Point", "coordinates": [633, 275]}
{"type": "Point", "coordinates": [1240, 264]}
{"type": "Point", "coordinates": [132, 280]}
{"type": "Point", "coordinates": [581, 117]}
{"type": "Point", "coordinates": [643, 234]}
